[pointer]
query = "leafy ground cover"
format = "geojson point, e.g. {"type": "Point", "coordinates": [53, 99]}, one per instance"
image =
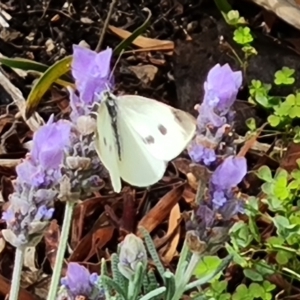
{"type": "Point", "coordinates": [222, 223]}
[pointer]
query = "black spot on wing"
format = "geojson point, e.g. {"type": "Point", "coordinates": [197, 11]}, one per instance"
{"type": "Point", "coordinates": [162, 129]}
{"type": "Point", "coordinates": [149, 140]}
{"type": "Point", "coordinates": [177, 116]}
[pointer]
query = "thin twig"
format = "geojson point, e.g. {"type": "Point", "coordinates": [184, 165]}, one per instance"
{"type": "Point", "coordinates": [111, 8]}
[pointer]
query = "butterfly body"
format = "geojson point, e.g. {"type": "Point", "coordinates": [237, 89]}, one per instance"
{"type": "Point", "coordinates": [137, 136]}
{"type": "Point", "coordinates": [112, 107]}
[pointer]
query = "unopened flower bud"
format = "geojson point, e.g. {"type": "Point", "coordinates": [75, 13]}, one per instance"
{"type": "Point", "coordinates": [77, 162]}
{"type": "Point", "coordinates": [131, 253]}
{"type": "Point", "coordinates": [86, 125]}
{"type": "Point", "coordinates": [194, 243]}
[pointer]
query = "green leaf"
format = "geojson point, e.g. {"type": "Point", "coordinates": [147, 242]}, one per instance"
{"type": "Point", "coordinates": [254, 229]}
{"type": "Point", "coordinates": [293, 185]}
{"type": "Point", "coordinates": [207, 278]}
{"type": "Point", "coordinates": [274, 120]}
{"type": "Point", "coordinates": [296, 174]}
{"type": "Point", "coordinates": [275, 204]}
{"type": "Point", "coordinates": [267, 188]}
{"type": "Point", "coordinates": [169, 280]}
{"type": "Point", "coordinates": [153, 294]}
{"type": "Point", "coordinates": [268, 286]}
{"type": "Point", "coordinates": [264, 173]}
{"type": "Point", "coordinates": [219, 286]}
{"type": "Point", "coordinates": [242, 293]}
{"type": "Point", "coordinates": [282, 257]}
{"type": "Point", "coordinates": [281, 173]}
{"type": "Point", "coordinates": [253, 275]}
{"type": "Point", "coordinates": [223, 6]}
{"type": "Point", "coordinates": [256, 290]}
{"type": "Point", "coordinates": [275, 240]}
{"type": "Point", "coordinates": [206, 265]}
{"type": "Point", "coordinates": [44, 82]}
{"type": "Point", "coordinates": [284, 76]}
{"type": "Point", "coordinates": [23, 64]}
{"type": "Point", "coordinates": [242, 35]}
{"type": "Point", "coordinates": [109, 283]}
{"type": "Point", "coordinates": [128, 41]}
{"type": "Point", "coordinates": [264, 268]}
{"type": "Point", "coordinates": [251, 124]}
{"type": "Point", "coordinates": [262, 99]}
{"type": "Point", "coordinates": [290, 100]}
{"type": "Point", "coordinates": [283, 109]}
{"type": "Point", "coordinates": [237, 258]}
{"type": "Point", "coordinates": [33, 66]}
{"type": "Point", "coordinates": [294, 112]}
{"type": "Point", "coordinates": [281, 222]}
{"type": "Point", "coordinates": [152, 250]}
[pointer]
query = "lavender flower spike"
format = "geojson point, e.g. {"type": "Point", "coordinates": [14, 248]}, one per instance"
{"type": "Point", "coordinates": [41, 168]}
{"type": "Point", "coordinates": [91, 71]}
{"type": "Point", "coordinates": [230, 173]}
{"type": "Point", "coordinates": [221, 87]}
{"type": "Point", "coordinates": [79, 282]}
{"type": "Point", "coordinates": [31, 204]}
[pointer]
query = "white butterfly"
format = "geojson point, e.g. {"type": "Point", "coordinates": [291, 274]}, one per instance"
{"type": "Point", "coordinates": [137, 136]}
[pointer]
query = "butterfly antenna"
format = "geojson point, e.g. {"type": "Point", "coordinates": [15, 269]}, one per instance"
{"type": "Point", "coordinates": [114, 68]}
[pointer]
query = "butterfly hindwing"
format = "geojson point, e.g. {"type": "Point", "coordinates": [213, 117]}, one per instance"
{"type": "Point", "coordinates": [136, 166]}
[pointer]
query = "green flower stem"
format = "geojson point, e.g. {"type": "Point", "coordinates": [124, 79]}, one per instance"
{"type": "Point", "coordinates": [61, 250]}
{"type": "Point", "coordinates": [180, 269]}
{"type": "Point", "coordinates": [180, 288]}
{"type": "Point", "coordinates": [16, 278]}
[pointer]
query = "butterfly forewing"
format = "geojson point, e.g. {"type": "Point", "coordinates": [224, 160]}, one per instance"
{"type": "Point", "coordinates": [164, 130]}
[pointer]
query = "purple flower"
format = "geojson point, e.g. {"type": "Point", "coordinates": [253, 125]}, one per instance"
{"type": "Point", "coordinates": [219, 199]}
{"type": "Point", "coordinates": [206, 215]}
{"type": "Point", "coordinates": [49, 142]}
{"type": "Point", "coordinates": [91, 71]}
{"type": "Point", "coordinates": [79, 282]}
{"type": "Point", "coordinates": [213, 217]}
{"type": "Point", "coordinates": [229, 173]}
{"type": "Point", "coordinates": [42, 166]}
{"type": "Point", "coordinates": [78, 107]}
{"type": "Point", "coordinates": [207, 116]}
{"type": "Point", "coordinates": [216, 117]}
{"type": "Point", "coordinates": [221, 87]}
{"type": "Point", "coordinates": [199, 153]}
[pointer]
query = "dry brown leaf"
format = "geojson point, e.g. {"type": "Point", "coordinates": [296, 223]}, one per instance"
{"type": "Point", "coordinates": [30, 259]}
{"type": "Point", "coordinates": [52, 237]}
{"type": "Point", "coordinates": [143, 42]}
{"type": "Point", "coordinates": [288, 10]}
{"type": "Point", "coordinates": [5, 288]}
{"type": "Point", "coordinates": [100, 238]}
{"type": "Point", "coordinates": [146, 73]}
{"type": "Point", "coordinates": [189, 194]}
{"type": "Point", "coordinates": [161, 210]}
{"type": "Point", "coordinates": [2, 244]}
{"type": "Point", "coordinates": [289, 160]}
{"type": "Point", "coordinates": [87, 247]}
{"type": "Point", "coordinates": [174, 219]}
{"type": "Point", "coordinates": [250, 142]}
{"type": "Point", "coordinates": [269, 19]}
